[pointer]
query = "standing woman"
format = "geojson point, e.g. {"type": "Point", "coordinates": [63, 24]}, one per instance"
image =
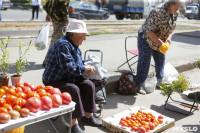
{"type": "Point", "coordinates": [35, 8]}
{"type": "Point", "coordinates": [0, 8]}
{"type": "Point", "coordinates": [156, 30]}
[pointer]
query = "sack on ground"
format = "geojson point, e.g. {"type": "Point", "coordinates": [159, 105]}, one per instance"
{"type": "Point", "coordinates": [170, 73]}
{"type": "Point", "coordinates": [128, 84]}
{"type": "Point", "coordinates": [41, 41]}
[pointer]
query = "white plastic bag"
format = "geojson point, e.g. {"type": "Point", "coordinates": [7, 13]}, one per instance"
{"type": "Point", "coordinates": [170, 73]}
{"type": "Point", "coordinates": [95, 62]}
{"type": "Point", "coordinates": [41, 41]}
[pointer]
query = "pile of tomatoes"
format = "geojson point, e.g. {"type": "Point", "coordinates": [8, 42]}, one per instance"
{"type": "Point", "coordinates": [23, 98]}
{"type": "Point", "coordinates": [141, 121]}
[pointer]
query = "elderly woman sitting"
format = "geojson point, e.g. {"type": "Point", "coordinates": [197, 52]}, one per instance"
{"type": "Point", "coordinates": [63, 70]}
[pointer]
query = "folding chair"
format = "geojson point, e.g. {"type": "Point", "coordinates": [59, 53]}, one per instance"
{"type": "Point", "coordinates": [135, 53]}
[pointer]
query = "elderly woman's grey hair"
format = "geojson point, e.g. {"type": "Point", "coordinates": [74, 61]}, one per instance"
{"type": "Point", "coordinates": [169, 3]}
{"type": "Point", "coordinates": [69, 34]}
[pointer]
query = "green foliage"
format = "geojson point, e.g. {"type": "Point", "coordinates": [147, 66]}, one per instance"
{"type": "Point", "coordinates": [198, 63]}
{"type": "Point", "coordinates": [4, 56]}
{"type": "Point", "coordinates": [21, 62]}
{"type": "Point", "coordinates": [20, 1]}
{"type": "Point", "coordinates": [179, 85]}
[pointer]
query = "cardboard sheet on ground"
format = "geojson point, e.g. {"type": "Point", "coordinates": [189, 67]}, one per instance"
{"type": "Point", "coordinates": [36, 117]}
{"type": "Point", "coordinates": [112, 122]}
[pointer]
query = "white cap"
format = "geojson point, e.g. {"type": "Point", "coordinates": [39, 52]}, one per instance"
{"type": "Point", "coordinates": [77, 26]}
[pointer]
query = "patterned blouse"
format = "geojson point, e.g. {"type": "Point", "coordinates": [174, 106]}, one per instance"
{"type": "Point", "coordinates": [159, 22]}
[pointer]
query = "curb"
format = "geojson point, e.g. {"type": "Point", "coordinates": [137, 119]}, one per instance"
{"type": "Point", "coordinates": [113, 77]}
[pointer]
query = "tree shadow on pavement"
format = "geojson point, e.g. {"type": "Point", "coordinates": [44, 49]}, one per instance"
{"type": "Point", "coordinates": [161, 109]}
{"type": "Point", "coordinates": [114, 99]}
{"type": "Point", "coordinates": [186, 38]}
{"type": "Point", "coordinates": [30, 67]}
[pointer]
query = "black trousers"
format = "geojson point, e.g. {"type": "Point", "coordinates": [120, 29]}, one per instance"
{"type": "Point", "coordinates": [83, 94]}
{"type": "Point", "coordinates": [35, 9]}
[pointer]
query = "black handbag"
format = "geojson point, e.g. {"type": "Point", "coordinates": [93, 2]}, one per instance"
{"type": "Point", "coordinates": [128, 84]}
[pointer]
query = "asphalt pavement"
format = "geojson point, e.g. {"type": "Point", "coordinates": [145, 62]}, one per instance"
{"type": "Point", "coordinates": [183, 55]}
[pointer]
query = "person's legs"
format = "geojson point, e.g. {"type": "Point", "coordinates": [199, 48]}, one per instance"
{"type": "Point", "coordinates": [144, 60]}
{"type": "Point", "coordinates": [159, 60]}
{"type": "Point", "coordinates": [57, 33]}
{"type": "Point", "coordinates": [0, 11]}
{"type": "Point", "coordinates": [87, 90]}
{"type": "Point", "coordinates": [37, 11]}
{"type": "Point", "coordinates": [33, 12]}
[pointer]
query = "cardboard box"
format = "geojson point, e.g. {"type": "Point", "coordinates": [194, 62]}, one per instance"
{"type": "Point", "coordinates": [112, 123]}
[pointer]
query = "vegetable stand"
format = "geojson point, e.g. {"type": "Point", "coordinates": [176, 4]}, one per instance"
{"type": "Point", "coordinates": [192, 106]}
{"type": "Point", "coordinates": [39, 116]}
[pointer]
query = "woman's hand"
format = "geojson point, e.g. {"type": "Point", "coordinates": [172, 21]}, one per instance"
{"type": "Point", "coordinates": [169, 41]}
{"type": "Point", "coordinates": [159, 42]}
{"type": "Point", "coordinates": [48, 18]}
{"type": "Point", "coordinates": [89, 70]}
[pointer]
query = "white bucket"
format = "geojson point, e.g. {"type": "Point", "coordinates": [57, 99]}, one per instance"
{"type": "Point", "coordinates": [150, 84]}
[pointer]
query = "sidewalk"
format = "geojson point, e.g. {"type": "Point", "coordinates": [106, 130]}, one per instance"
{"type": "Point", "coordinates": [184, 50]}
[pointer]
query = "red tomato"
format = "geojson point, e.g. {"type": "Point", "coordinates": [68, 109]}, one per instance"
{"type": "Point", "coordinates": [30, 85]}
{"type": "Point", "coordinates": [4, 87]}
{"type": "Point", "coordinates": [27, 91]}
{"type": "Point", "coordinates": [10, 99]}
{"type": "Point", "coordinates": [66, 98]}
{"type": "Point", "coordinates": [160, 121]}
{"type": "Point", "coordinates": [152, 126]}
{"type": "Point", "coordinates": [11, 91]}
{"type": "Point", "coordinates": [2, 92]}
{"type": "Point", "coordinates": [20, 101]}
{"type": "Point", "coordinates": [40, 90]}
{"type": "Point", "coordinates": [24, 112]}
{"type": "Point", "coordinates": [33, 94]}
{"type": "Point", "coordinates": [4, 117]}
{"type": "Point", "coordinates": [19, 85]}
{"type": "Point", "coordinates": [44, 94]}
{"type": "Point", "coordinates": [57, 100]}
{"type": "Point", "coordinates": [8, 107]}
{"type": "Point", "coordinates": [18, 89]}
{"type": "Point", "coordinates": [21, 95]}
{"type": "Point", "coordinates": [47, 88]}
{"type": "Point", "coordinates": [147, 128]}
{"type": "Point", "coordinates": [40, 87]}
{"type": "Point", "coordinates": [12, 87]}
{"type": "Point", "coordinates": [160, 117]}
{"type": "Point", "coordinates": [54, 91]}
{"type": "Point", "coordinates": [3, 110]}
{"type": "Point", "coordinates": [27, 83]}
{"type": "Point", "coordinates": [26, 88]}
{"type": "Point", "coordinates": [46, 103]}
{"type": "Point", "coordinates": [2, 102]}
{"type": "Point", "coordinates": [33, 104]}
{"type": "Point", "coordinates": [141, 130]}
{"type": "Point", "coordinates": [17, 108]}
{"type": "Point", "coordinates": [134, 128]}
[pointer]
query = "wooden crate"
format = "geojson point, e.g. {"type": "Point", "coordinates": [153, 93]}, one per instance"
{"type": "Point", "coordinates": [112, 123]}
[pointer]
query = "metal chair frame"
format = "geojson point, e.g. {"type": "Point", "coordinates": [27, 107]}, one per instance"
{"type": "Point", "coordinates": [128, 60]}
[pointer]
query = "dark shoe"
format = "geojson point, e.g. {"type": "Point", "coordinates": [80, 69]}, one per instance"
{"type": "Point", "coordinates": [158, 87]}
{"type": "Point", "coordinates": [91, 121]}
{"type": "Point", "coordinates": [76, 129]}
{"type": "Point", "coordinates": [43, 65]}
